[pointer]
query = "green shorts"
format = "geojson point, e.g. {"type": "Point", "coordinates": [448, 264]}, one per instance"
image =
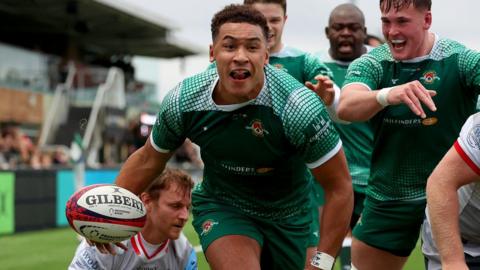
{"type": "Point", "coordinates": [358, 199]}
{"type": "Point", "coordinates": [392, 226]}
{"type": "Point", "coordinates": [318, 200]}
{"type": "Point", "coordinates": [283, 243]}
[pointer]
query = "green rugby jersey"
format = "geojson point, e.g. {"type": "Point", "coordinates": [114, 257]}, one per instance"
{"type": "Point", "coordinates": [254, 153]}
{"type": "Point", "coordinates": [357, 138]}
{"type": "Point", "coordinates": [301, 65]}
{"type": "Point", "coordinates": [406, 147]}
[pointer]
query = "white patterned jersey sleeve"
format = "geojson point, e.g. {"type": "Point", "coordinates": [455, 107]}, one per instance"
{"type": "Point", "coordinates": [468, 143]}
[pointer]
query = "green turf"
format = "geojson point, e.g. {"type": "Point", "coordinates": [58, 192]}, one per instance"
{"type": "Point", "coordinates": [49, 249]}
{"type": "Point", "coordinates": [54, 249]}
{"type": "Point", "coordinates": [415, 261]}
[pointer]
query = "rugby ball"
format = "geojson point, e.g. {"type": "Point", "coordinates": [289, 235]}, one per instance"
{"type": "Point", "coordinates": [105, 213]}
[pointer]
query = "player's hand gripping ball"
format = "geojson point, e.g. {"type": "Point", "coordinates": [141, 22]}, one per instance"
{"type": "Point", "coordinates": [105, 213]}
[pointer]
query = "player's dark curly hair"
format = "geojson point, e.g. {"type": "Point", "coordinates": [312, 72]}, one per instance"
{"type": "Point", "coordinates": [386, 5]}
{"type": "Point", "coordinates": [168, 177]}
{"type": "Point", "coordinates": [238, 14]}
{"type": "Point", "coordinates": [282, 3]}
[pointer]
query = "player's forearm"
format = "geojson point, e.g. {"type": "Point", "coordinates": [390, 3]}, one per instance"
{"type": "Point", "coordinates": [335, 223]}
{"type": "Point", "coordinates": [332, 109]}
{"type": "Point", "coordinates": [335, 179]}
{"type": "Point", "coordinates": [141, 168]}
{"type": "Point", "coordinates": [357, 105]}
{"type": "Point", "coordinates": [442, 201]}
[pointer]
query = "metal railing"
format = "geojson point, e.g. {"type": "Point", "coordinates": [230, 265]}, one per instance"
{"type": "Point", "coordinates": [60, 98]}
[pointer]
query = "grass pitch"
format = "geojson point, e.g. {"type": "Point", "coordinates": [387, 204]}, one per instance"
{"type": "Point", "coordinates": [53, 249]}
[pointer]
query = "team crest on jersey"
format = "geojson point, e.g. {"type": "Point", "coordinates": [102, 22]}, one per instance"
{"type": "Point", "coordinates": [280, 66]}
{"type": "Point", "coordinates": [257, 129]}
{"type": "Point", "coordinates": [473, 137]}
{"type": "Point", "coordinates": [429, 77]}
{"type": "Point", "coordinates": [207, 226]}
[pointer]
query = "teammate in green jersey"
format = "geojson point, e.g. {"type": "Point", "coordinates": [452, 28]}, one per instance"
{"type": "Point", "coordinates": [304, 67]}
{"type": "Point", "coordinates": [346, 32]}
{"type": "Point", "coordinates": [257, 128]}
{"type": "Point", "coordinates": [413, 125]}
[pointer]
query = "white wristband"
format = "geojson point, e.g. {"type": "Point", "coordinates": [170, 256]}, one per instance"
{"type": "Point", "coordinates": [382, 96]}
{"type": "Point", "coordinates": [322, 261]}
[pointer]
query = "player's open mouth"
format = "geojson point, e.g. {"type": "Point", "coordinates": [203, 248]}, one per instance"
{"type": "Point", "coordinates": [398, 43]}
{"type": "Point", "coordinates": [239, 74]}
{"type": "Point", "coordinates": [270, 36]}
{"type": "Point", "coordinates": [345, 47]}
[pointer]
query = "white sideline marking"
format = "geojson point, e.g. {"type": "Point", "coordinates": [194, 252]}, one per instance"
{"type": "Point", "coordinates": [197, 249]}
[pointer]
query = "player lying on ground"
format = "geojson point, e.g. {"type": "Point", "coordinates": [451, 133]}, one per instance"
{"type": "Point", "coordinates": [160, 244]}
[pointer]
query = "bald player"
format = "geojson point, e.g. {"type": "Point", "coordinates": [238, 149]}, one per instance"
{"type": "Point", "coordinates": [346, 33]}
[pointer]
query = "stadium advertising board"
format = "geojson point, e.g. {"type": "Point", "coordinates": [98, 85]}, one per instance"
{"type": "Point", "coordinates": [7, 210]}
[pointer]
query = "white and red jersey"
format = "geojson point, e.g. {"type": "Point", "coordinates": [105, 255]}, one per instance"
{"type": "Point", "coordinates": [468, 143]}
{"type": "Point", "coordinates": [140, 255]}
{"type": "Point", "coordinates": [468, 147]}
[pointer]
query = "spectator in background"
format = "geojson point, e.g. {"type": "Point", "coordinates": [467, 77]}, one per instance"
{"type": "Point", "coordinates": [49, 158]}
{"type": "Point", "coordinates": [41, 159]}
{"type": "Point", "coordinates": [188, 155]}
{"type": "Point", "coordinates": [4, 164]}
{"type": "Point", "coordinates": [61, 157]}
{"type": "Point", "coordinates": [17, 147]}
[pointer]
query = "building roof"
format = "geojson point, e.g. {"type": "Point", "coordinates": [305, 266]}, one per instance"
{"type": "Point", "coordinates": [94, 28]}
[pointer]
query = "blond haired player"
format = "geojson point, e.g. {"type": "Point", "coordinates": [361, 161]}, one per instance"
{"type": "Point", "coordinates": [160, 244]}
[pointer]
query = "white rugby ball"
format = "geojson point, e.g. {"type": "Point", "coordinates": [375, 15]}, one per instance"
{"type": "Point", "coordinates": [105, 213]}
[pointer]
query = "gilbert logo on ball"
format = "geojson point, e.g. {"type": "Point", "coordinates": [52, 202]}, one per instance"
{"type": "Point", "coordinates": [105, 213]}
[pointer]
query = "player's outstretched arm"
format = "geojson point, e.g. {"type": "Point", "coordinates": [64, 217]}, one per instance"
{"type": "Point", "coordinates": [335, 179]}
{"type": "Point", "coordinates": [442, 201]}
{"type": "Point", "coordinates": [358, 103]}
{"type": "Point", "coordinates": [136, 174]}
{"type": "Point", "coordinates": [141, 168]}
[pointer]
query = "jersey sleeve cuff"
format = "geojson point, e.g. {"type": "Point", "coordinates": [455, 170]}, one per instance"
{"type": "Point", "coordinates": [359, 83]}
{"type": "Point", "coordinates": [332, 109]}
{"type": "Point", "coordinates": [326, 157]}
{"type": "Point", "coordinates": [464, 155]}
{"type": "Point", "coordinates": [156, 147]}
